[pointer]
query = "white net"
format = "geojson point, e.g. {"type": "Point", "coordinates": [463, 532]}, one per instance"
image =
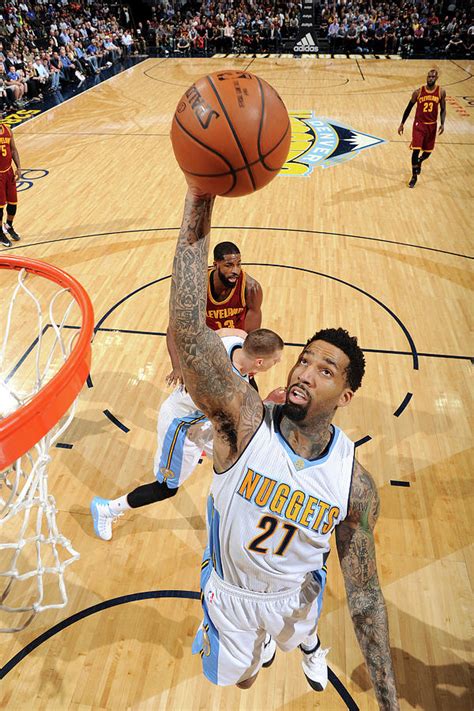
{"type": "Point", "coordinates": [33, 553]}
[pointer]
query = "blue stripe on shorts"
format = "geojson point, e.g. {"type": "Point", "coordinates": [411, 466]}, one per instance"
{"type": "Point", "coordinates": [320, 577]}
{"type": "Point", "coordinates": [171, 460]}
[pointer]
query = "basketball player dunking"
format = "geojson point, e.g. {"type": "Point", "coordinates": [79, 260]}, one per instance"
{"type": "Point", "coordinates": [428, 99]}
{"type": "Point", "coordinates": [285, 479]}
{"type": "Point", "coordinates": [234, 300]}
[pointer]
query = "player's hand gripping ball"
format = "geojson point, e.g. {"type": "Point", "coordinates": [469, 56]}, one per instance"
{"type": "Point", "coordinates": [230, 133]}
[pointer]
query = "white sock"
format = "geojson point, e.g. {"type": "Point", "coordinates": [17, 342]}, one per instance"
{"type": "Point", "coordinates": [116, 506]}
{"type": "Point", "coordinates": [310, 642]}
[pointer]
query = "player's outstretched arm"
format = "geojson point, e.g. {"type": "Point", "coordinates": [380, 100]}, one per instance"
{"type": "Point", "coordinates": [356, 549]}
{"type": "Point", "coordinates": [233, 407]}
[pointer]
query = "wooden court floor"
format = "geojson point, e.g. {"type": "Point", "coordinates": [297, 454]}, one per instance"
{"type": "Point", "coordinates": [347, 245]}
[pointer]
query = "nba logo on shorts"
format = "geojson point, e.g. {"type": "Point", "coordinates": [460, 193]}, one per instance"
{"type": "Point", "coordinates": [210, 597]}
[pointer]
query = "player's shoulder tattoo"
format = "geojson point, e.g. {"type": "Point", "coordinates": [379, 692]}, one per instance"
{"type": "Point", "coordinates": [364, 500]}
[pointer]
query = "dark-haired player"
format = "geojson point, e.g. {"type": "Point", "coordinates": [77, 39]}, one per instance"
{"type": "Point", "coordinates": [234, 300]}
{"type": "Point", "coordinates": [8, 176]}
{"type": "Point", "coordinates": [284, 479]}
{"type": "Point", "coordinates": [428, 99]}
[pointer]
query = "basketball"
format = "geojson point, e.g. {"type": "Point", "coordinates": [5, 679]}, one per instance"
{"type": "Point", "coordinates": [230, 133]}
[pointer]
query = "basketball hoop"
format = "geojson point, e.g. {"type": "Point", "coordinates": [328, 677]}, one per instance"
{"type": "Point", "coordinates": [41, 376]}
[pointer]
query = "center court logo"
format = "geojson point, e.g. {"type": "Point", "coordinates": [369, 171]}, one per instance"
{"type": "Point", "coordinates": [322, 142]}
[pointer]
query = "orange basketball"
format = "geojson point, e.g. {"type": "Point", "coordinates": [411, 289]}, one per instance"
{"type": "Point", "coordinates": [230, 133]}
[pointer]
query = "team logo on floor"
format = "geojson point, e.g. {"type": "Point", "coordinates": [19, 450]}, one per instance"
{"type": "Point", "coordinates": [28, 177]}
{"type": "Point", "coordinates": [20, 116]}
{"type": "Point", "coordinates": [322, 142]}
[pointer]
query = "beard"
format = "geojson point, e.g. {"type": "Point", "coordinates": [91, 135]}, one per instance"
{"type": "Point", "coordinates": [227, 283]}
{"type": "Point", "coordinates": [295, 413]}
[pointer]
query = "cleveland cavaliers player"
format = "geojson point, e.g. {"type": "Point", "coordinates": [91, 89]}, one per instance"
{"type": "Point", "coordinates": [428, 100]}
{"type": "Point", "coordinates": [234, 300]}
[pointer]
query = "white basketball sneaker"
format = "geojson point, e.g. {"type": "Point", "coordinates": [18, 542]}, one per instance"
{"type": "Point", "coordinates": [103, 518]}
{"type": "Point", "coordinates": [315, 667]}
{"type": "Point", "coordinates": [269, 651]}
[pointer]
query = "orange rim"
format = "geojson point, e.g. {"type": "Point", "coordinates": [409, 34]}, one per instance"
{"type": "Point", "coordinates": [26, 426]}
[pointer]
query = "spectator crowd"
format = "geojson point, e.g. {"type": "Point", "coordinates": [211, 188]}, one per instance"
{"type": "Point", "coordinates": [412, 28]}
{"type": "Point", "coordinates": [45, 45]}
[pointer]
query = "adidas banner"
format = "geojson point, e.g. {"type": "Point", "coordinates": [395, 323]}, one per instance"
{"type": "Point", "coordinates": [307, 38]}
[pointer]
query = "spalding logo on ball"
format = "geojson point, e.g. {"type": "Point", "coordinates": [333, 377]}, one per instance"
{"type": "Point", "coordinates": [230, 133]}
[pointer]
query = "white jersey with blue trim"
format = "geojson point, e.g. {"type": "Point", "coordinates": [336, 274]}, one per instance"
{"type": "Point", "coordinates": [181, 399]}
{"type": "Point", "coordinates": [272, 513]}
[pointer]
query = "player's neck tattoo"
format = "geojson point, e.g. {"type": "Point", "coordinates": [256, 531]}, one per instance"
{"type": "Point", "coordinates": [309, 440]}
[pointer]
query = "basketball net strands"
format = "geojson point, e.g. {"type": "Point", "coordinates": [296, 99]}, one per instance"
{"type": "Point", "coordinates": [42, 371]}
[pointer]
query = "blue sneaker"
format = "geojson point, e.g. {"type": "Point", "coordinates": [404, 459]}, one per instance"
{"type": "Point", "coordinates": [103, 518]}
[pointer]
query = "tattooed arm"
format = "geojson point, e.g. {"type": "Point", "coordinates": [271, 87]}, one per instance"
{"type": "Point", "coordinates": [234, 408]}
{"type": "Point", "coordinates": [356, 549]}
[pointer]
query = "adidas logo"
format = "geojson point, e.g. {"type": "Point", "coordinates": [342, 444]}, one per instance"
{"type": "Point", "coordinates": [306, 44]}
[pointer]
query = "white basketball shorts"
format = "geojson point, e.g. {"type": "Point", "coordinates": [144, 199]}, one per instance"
{"type": "Point", "coordinates": [181, 441]}
{"type": "Point", "coordinates": [231, 636]}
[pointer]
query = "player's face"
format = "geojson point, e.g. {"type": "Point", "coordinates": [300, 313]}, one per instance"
{"type": "Point", "coordinates": [265, 364]}
{"type": "Point", "coordinates": [229, 269]}
{"type": "Point", "coordinates": [431, 78]}
{"type": "Point", "coordinates": [317, 383]}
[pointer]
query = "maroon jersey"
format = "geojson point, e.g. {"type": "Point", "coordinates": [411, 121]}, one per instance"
{"type": "Point", "coordinates": [5, 149]}
{"type": "Point", "coordinates": [427, 104]}
{"type": "Point", "coordinates": [229, 313]}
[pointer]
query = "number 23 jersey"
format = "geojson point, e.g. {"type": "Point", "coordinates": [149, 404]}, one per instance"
{"type": "Point", "coordinates": [271, 515]}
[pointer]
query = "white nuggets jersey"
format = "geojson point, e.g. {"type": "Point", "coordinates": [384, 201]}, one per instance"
{"type": "Point", "coordinates": [272, 513]}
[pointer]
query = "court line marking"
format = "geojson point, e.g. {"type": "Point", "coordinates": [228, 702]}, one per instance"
{"type": "Point", "coordinates": [403, 405]}
{"type": "Point", "coordinates": [116, 421]}
{"type": "Point", "coordinates": [240, 228]}
{"type": "Point", "coordinates": [360, 70]}
{"type": "Point", "coordinates": [384, 351]}
{"type": "Point", "coordinates": [133, 597]}
{"type": "Point", "coordinates": [322, 89]}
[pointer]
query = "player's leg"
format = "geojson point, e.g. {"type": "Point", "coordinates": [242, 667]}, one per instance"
{"type": "Point", "coordinates": [229, 639]}
{"type": "Point", "coordinates": [12, 200]}
{"type": "Point", "coordinates": [414, 167]}
{"type": "Point", "coordinates": [4, 239]}
{"type": "Point", "coordinates": [416, 145]}
{"type": "Point", "coordinates": [301, 630]}
{"type": "Point", "coordinates": [3, 236]}
{"type": "Point", "coordinates": [424, 156]}
{"type": "Point", "coordinates": [8, 227]}
{"type": "Point", "coordinates": [428, 144]}
{"type": "Point", "coordinates": [175, 459]}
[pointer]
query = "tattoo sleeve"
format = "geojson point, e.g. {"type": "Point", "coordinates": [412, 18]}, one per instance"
{"type": "Point", "coordinates": [356, 549]}
{"type": "Point", "coordinates": [233, 407]}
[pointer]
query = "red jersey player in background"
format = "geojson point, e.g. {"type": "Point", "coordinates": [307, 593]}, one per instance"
{"type": "Point", "coordinates": [8, 177]}
{"type": "Point", "coordinates": [234, 300]}
{"type": "Point", "coordinates": [428, 100]}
